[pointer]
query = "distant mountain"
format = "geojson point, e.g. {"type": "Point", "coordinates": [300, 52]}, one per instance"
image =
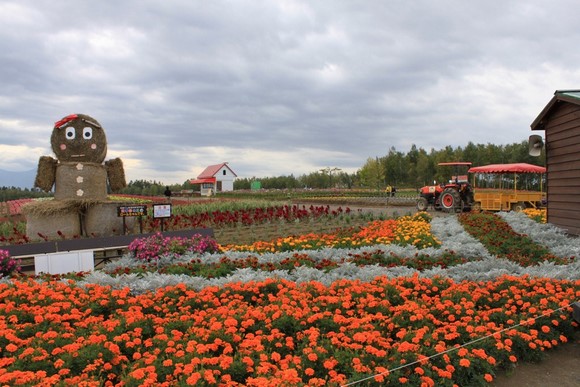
{"type": "Point", "coordinates": [24, 179]}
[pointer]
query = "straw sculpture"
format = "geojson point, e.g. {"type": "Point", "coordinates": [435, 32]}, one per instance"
{"type": "Point", "coordinates": [80, 145]}
{"type": "Point", "coordinates": [81, 179]}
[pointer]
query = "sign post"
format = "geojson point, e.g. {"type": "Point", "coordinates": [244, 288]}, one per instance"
{"type": "Point", "coordinates": [162, 211]}
{"type": "Point", "coordinates": [132, 210]}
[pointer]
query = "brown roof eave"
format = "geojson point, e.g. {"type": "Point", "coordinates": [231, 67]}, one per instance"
{"type": "Point", "coordinates": [538, 123]}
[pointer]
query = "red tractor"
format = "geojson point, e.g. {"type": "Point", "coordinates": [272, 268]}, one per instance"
{"type": "Point", "coordinates": [455, 196]}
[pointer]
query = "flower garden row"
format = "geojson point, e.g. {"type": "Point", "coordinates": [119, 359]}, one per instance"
{"type": "Point", "coordinates": [276, 331]}
{"type": "Point", "coordinates": [404, 231]}
{"type": "Point", "coordinates": [13, 207]}
{"type": "Point", "coordinates": [272, 320]}
{"type": "Point", "coordinates": [193, 216]}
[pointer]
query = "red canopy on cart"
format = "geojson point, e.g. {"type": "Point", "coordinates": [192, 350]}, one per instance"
{"type": "Point", "coordinates": [506, 168]}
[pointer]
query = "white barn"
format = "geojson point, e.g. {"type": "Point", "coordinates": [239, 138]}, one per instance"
{"type": "Point", "coordinates": [215, 178]}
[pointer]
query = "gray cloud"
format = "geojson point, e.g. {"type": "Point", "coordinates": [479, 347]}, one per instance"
{"type": "Point", "coordinates": [277, 88]}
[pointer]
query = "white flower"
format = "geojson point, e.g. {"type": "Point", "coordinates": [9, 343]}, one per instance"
{"type": "Point", "coordinates": [554, 238]}
{"type": "Point", "coordinates": [447, 230]}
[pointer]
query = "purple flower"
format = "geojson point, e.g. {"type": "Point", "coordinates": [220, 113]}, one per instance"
{"type": "Point", "coordinates": [152, 247]}
{"type": "Point", "coordinates": [8, 265]}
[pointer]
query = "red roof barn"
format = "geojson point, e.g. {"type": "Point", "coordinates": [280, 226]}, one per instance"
{"type": "Point", "coordinates": [215, 178]}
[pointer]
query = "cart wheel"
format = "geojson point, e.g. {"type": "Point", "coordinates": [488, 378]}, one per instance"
{"type": "Point", "coordinates": [422, 204]}
{"type": "Point", "coordinates": [518, 207]}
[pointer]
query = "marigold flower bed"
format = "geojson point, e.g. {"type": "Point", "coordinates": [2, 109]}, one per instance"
{"type": "Point", "coordinates": [414, 329]}
{"type": "Point", "coordinates": [407, 230]}
{"type": "Point", "coordinates": [278, 332]}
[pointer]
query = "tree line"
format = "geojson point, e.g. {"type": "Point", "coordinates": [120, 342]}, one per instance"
{"type": "Point", "coordinates": [14, 193]}
{"type": "Point", "coordinates": [412, 169]}
{"type": "Point", "coordinates": [418, 168]}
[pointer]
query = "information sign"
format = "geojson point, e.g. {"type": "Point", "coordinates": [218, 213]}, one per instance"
{"type": "Point", "coordinates": [162, 210]}
{"type": "Point", "coordinates": [131, 211]}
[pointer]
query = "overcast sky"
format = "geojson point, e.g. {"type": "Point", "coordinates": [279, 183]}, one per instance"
{"type": "Point", "coordinates": [278, 87]}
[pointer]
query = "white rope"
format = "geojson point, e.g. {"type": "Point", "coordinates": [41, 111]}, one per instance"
{"type": "Point", "coordinates": [455, 348]}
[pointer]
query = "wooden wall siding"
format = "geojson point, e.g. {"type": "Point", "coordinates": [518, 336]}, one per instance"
{"type": "Point", "coordinates": [562, 132]}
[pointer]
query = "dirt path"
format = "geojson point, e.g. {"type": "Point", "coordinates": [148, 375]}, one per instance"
{"type": "Point", "coordinates": [560, 368]}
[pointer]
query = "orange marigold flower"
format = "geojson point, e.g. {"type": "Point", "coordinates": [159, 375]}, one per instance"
{"type": "Point", "coordinates": [427, 382]}
{"type": "Point", "coordinates": [138, 374]}
{"type": "Point", "coordinates": [193, 379]}
{"type": "Point", "coordinates": [329, 364]}
{"type": "Point", "coordinates": [464, 363]}
{"type": "Point", "coordinates": [208, 376]}
{"type": "Point", "coordinates": [488, 378]}
{"type": "Point", "coordinates": [275, 356]}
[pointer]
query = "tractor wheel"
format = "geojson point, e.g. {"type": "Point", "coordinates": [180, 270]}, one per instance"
{"type": "Point", "coordinates": [450, 200]}
{"type": "Point", "coordinates": [519, 206]}
{"type": "Point", "coordinates": [422, 204]}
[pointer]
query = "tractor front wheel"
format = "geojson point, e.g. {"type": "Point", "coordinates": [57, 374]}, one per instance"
{"type": "Point", "coordinates": [519, 206]}
{"type": "Point", "coordinates": [450, 200]}
{"type": "Point", "coordinates": [422, 204]}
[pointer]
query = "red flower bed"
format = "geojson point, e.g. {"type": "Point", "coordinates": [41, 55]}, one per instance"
{"type": "Point", "coordinates": [246, 217]}
{"type": "Point", "coordinates": [226, 218]}
{"type": "Point", "coordinates": [501, 240]}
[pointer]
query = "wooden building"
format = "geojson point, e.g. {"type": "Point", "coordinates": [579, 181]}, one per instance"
{"type": "Point", "coordinates": [560, 121]}
{"type": "Point", "coordinates": [215, 178]}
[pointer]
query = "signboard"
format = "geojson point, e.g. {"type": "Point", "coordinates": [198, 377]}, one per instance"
{"type": "Point", "coordinates": [131, 211]}
{"type": "Point", "coordinates": [162, 210]}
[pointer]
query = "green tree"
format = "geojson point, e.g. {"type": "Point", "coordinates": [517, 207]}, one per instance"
{"type": "Point", "coordinates": [394, 165]}
{"type": "Point", "coordinates": [372, 174]}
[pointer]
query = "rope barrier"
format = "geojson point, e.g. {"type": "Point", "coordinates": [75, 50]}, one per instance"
{"type": "Point", "coordinates": [456, 348]}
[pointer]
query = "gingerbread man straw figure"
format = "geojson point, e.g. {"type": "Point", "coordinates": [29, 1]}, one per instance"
{"type": "Point", "coordinates": [80, 145]}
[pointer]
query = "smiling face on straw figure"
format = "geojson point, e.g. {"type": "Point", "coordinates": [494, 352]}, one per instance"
{"type": "Point", "coordinates": [79, 138]}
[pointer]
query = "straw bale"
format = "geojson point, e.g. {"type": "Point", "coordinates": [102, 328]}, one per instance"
{"type": "Point", "coordinates": [80, 181]}
{"type": "Point", "coordinates": [102, 220]}
{"type": "Point", "coordinates": [116, 174]}
{"type": "Point", "coordinates": [47, 217]}
{"type": "Point", "coordinates": [68, 223]}
{"type": "Point", "coordinates": [46, 173]}
{"type": "Point", "coordinates": [57, 207]}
